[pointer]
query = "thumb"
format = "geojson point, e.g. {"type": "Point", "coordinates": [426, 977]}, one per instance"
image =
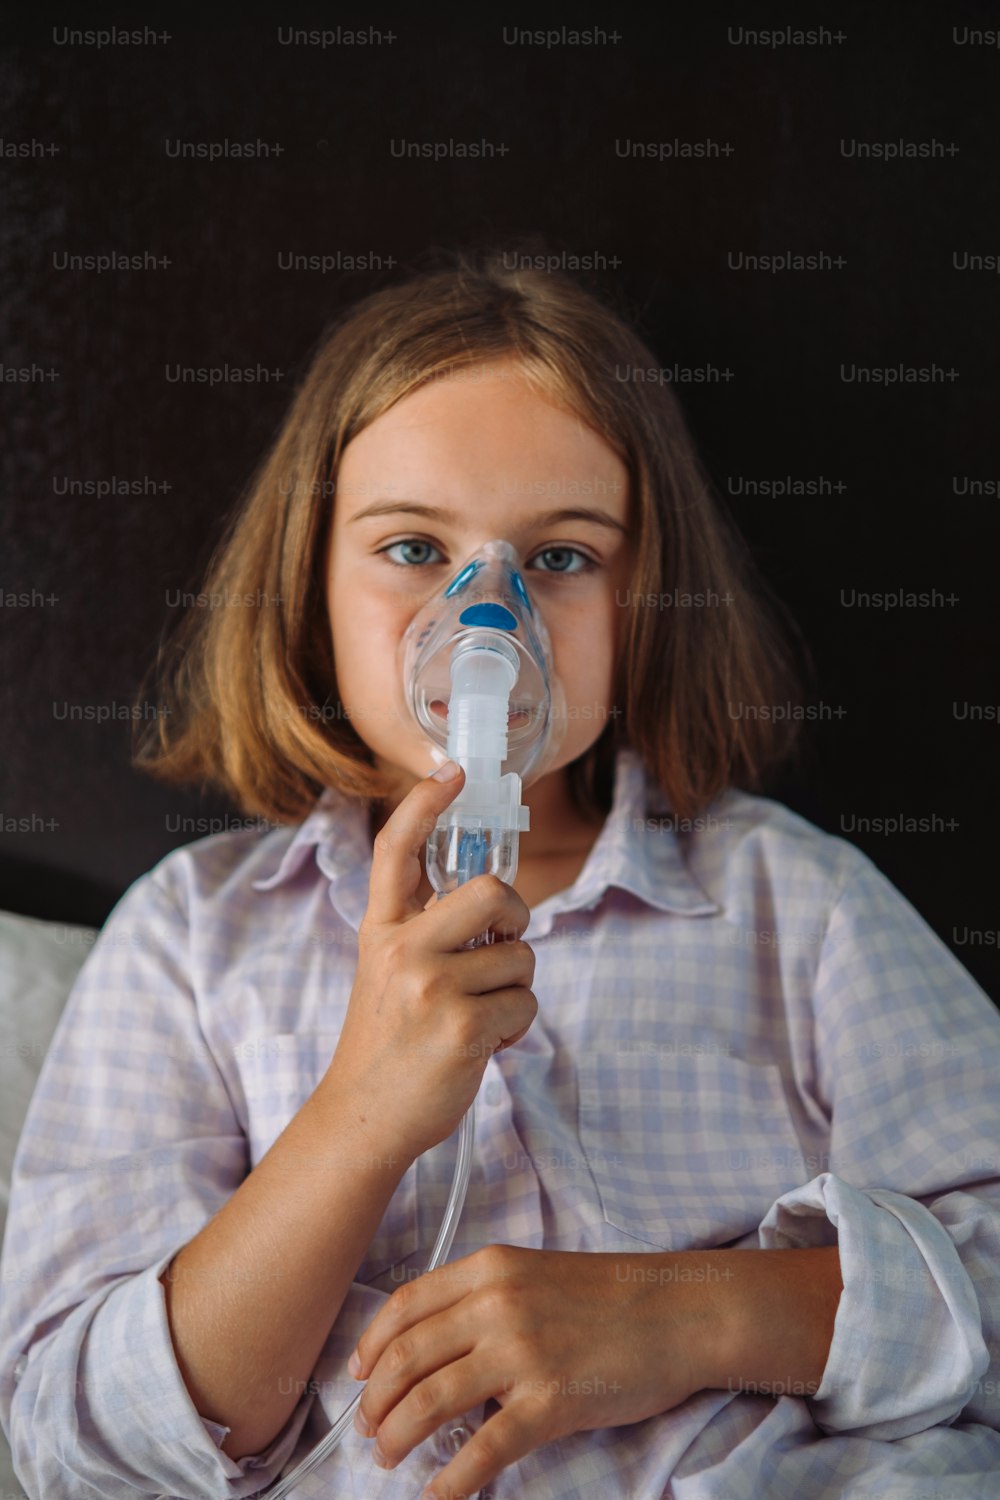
{"type": "Point", "coordinates": [395, 873]}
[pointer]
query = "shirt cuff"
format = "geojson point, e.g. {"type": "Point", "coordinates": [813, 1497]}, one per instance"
{"type": "Point", "coordinates": [141, 1397]}
{"type": "Point", "coordinates": [279, 1451]}
{"type": "Point", "coordinates": [276, 1455]}
{"type": "Point", "coordinates": [907, 1348]}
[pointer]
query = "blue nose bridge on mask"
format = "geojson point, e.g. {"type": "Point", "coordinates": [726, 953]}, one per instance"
{"type": "Point", "coordinates": [481, 647]}
{"type": "Point", "coordinates": [497, 616]}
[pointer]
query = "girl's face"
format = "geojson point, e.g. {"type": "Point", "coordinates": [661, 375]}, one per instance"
{"type": "Point", "coordinates": [494, 457]}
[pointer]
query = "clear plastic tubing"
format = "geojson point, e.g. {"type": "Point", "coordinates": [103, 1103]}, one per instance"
{"type": "Point", "coordinates": [477, 854]}
{"type": "Point", "coordinates": [446, 1234]}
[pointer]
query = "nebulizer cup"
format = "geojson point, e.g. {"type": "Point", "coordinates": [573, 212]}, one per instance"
{"type": "Point", "coordinates": [478, 680]}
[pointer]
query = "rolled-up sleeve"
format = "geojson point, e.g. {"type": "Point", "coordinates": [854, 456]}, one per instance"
{"type": "Point", "coordinates": [907, 1060]}
{"type": "Point", "coordinates": [130, 1146]}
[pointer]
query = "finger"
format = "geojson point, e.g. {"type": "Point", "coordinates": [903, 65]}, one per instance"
{"type": "Point", "coordinates": [449, 1391]}
{"type": "Point", "coordinates": [509, 932]}
{"type": "Point", "coordinates": [512, 1432]}
{"type": "Point", "coordinates": [395, 872]}
{"type": "Point", "coordinates": [413, 1302]}
{"type": "Point", "coordinates": [495, 966]}
{"type": "Point", "coordinates": [483, 904]}
{"type": "Point", "coordinates": [453, 1384]}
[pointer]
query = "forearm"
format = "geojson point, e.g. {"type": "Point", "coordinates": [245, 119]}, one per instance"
{"type": "Point", "coordinates": [252, 1298]}
{"type": "Point", "coordinates": [774, 1315]}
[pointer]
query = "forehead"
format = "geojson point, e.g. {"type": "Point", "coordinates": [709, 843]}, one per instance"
{"type": "Point", "coordinates": [481, 421]}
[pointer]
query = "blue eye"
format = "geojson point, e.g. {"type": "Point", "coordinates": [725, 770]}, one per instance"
{"type": "Point", "coordinates": [411, 541]}
{"type": "Point", "coordinates": [586, 563]}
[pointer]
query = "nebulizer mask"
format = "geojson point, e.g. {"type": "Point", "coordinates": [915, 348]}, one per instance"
{"type": "Point", "coordinates": [477, 671]}
{"type": "Point", "coordinates": [478, 680]}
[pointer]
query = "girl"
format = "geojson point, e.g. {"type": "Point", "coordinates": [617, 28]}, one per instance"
{"type": "Point", "coordinates": [733, 1228]}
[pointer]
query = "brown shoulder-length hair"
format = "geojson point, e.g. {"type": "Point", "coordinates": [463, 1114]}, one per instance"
{"type": "Point", "coordinates": [250, 682]}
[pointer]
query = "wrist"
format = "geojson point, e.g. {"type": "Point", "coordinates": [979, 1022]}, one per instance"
{"type": "Point", "coordinates": [710, 1275]}
{"type": "Point", "coordinates": [353, 1114]}
{"type": "Point", "coordinates": [777, 1310]}
{"type": "Point", "coordinates": [684, 1299]}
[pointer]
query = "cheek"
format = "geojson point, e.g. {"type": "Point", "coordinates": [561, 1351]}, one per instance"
{"type": "Point", "coordinates": [584, 641]}
{"type": "Point", "coordinates": [366, 635]}
{"type": "Point", "coordinates": [348, 632]}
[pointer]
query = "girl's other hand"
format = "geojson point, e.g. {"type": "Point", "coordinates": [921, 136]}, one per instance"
{"type": "Point", "coordinates": [563, 1341]}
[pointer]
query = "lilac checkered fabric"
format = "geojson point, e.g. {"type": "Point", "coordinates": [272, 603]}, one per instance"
{"type": "Point", "coordinates": [746, 1037]}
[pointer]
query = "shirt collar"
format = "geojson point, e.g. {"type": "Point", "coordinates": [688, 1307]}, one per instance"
{"type": "Point", "coordinates": [634, 851]}
{"type": "Point", "coordinates": [637, 850]}
{"type": "Point", "coordinates": [336, 829]}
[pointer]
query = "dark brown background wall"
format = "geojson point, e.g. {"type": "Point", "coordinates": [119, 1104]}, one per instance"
{"type": "Point", "coordinates": [908, 473]}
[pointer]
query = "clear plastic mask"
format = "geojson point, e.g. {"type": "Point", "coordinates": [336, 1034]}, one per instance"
{"type": "Point", "coordinates": [486, 604]}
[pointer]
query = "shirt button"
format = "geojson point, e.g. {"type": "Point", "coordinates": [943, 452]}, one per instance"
{"type": "Point", "coordinates": [458, 1435]}
{"type": "Point", "coordinates": [20, 1367]}
{"type": "Point", "coordinates": [492, 1092]}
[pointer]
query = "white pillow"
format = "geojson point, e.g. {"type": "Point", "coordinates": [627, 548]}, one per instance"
{"type": "Point", "coordinates": [39, 962]}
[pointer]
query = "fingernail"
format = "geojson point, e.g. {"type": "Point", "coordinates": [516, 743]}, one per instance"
{"type": "Point", "coordinates": [354, 1365]}
{"type": "Point", "coordinates": [360, 1425]}
{"type": "Point", "coordinates": [447, 772]}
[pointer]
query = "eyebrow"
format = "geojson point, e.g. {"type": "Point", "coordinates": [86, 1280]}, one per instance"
{"type": "Point", "coordinates": [435, 513]}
